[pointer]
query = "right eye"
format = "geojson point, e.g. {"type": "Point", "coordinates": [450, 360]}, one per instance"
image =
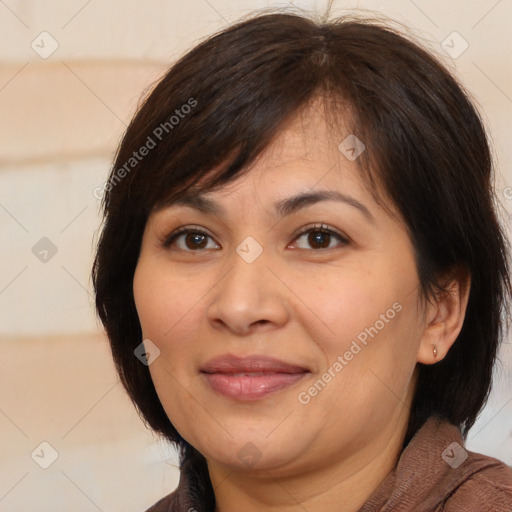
{"type": "Point", "coordinates": [188, 239]}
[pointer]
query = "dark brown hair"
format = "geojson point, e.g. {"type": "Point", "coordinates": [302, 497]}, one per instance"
{"type": "Point", "coordinates": [425, 146]}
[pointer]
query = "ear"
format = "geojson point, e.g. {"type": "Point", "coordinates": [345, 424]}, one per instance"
{"type": "Point", "coordinates": [444, 316]}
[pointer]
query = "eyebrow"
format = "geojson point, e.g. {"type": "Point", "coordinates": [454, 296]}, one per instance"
{"type": "Point", "coordinates": [283, 207]}
{"type": "Point", "coordinates": [198, 202]}
{"type": "Point", "coordinates": [299, 201]}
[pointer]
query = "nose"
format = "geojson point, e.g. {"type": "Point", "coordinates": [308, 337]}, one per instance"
{"type": "Point", "coordinates": [248, 299]}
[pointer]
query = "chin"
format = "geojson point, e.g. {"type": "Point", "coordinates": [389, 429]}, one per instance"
{"type": "Point", "coordinates": [253, 455]}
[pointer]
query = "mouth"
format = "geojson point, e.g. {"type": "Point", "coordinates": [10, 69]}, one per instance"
{"type": "Point", "coordinates": [251, 378]}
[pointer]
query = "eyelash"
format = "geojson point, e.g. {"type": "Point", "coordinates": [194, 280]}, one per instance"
{"type": "Point", "coordinates": [319, 228]}
{"type": "Point", "coordinates": [325, 230]}
{"type": "Point", "coordinates": [169, 240]}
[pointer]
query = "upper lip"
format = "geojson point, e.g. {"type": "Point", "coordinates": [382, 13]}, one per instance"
{"type": "Point", "coordinates": [248, 364]}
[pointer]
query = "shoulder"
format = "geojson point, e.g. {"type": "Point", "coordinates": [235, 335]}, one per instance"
{"type": "Point", "coordinates": [485, 484]}
{"type": "Point", "coordinates": [435, 472]}
{"type": "Point", "coordinates": [459, 480]}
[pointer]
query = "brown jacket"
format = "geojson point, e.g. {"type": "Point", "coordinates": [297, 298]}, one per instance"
{"type": "Point", "coordinates": [434, 474]}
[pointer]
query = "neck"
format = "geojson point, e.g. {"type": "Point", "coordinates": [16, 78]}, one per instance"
{"type": "Point", "coordinates": [340, 486]}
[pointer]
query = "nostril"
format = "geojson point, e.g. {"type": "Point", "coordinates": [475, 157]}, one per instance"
{"type": "Point", "coordinates": [217, 322]}
{"type": "Point", "coordinates": [261, 322]}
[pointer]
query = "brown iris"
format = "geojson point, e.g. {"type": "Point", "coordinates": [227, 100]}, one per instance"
{"type": "Point", "coordinates": [319, 239]}
{"type": "Point", "coordinates": [196, 241]}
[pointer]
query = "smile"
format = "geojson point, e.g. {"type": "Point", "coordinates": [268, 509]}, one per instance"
{"type": "Point", "coordinates": [250, 377]}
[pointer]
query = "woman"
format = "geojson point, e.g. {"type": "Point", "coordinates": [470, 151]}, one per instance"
{"type": "Point", "coordinates": [302, 276]}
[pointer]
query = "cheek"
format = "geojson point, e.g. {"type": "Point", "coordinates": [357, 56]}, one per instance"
{"type": "Point", "coordinates": [168, 307]}
{"type": "Point", "coordinates": [368, 373]}
{"type": "Point", "coordinates": [166, 302]}
{"type": "Point", "coordinates": [345, 301]}
{"type": "Point", "coordinates": [365, 322]}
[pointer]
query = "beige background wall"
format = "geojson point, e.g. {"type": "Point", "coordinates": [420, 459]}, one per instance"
{"type": "Point", "coordinates": [61, 116]}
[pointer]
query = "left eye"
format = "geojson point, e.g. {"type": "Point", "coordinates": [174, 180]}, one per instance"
{"type": "Point", "coordinates": [319, 238]}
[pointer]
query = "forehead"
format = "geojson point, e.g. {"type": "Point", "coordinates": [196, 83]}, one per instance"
{"type": "Point", "coordinates": [312, 135]}
{"type": "Point", "coordinates": [304, 157]}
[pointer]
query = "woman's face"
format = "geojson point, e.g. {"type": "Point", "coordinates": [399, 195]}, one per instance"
{"type": "Point", "coordinates": [294, 261]}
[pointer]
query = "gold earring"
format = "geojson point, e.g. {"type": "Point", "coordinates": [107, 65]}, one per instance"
{"type": "Point", "coordinates": [434, 350]}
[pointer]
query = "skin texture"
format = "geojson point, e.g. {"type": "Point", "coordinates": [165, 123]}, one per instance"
{"type": "Point", "coordinates": [301, 304]}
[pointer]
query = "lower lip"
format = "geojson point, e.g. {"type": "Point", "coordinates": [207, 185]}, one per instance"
{"type": "Point", "coordinates": [251, 387]}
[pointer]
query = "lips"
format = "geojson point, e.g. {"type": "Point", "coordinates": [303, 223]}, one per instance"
{"type": "Point", "coordinates": [252, 377]}
{"type": "Point", "coordinates": [250, 364]}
